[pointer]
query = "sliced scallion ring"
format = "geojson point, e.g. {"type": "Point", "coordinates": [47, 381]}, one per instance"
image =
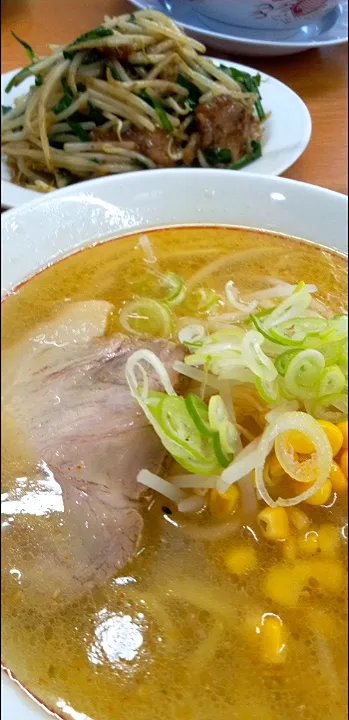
{"type": "Point", "coordinates": [333, 408]}
{"type": "Point", "coordinates": [203, 299]}
{"type": "Point", "coordinates": [299, 328]}
{"type": "Point", "coordinates": [197, 465]}
{"type": "Point", "coordinates": [332, 352]}
{"type": "Point", "coordinates": [291, 307]}
{"type": "Point", "coordinates": [222, 458]}
{"type": "Point", "coordinates": [282, 361]}
{"type": "Point", "coordinates": [303, 373]}
{"type": "Point", "coordinates": [176, 422]}
{"type": "Point", "coordinates": [229, 438]}
{"type": "Point", "coordinates": [268, 389]}
{"type": "Point", "coordinates": [144, 316]}
{"type": "Point", "coordinates": [256, 360]}
{"type": "Point", "coordinates": [198, 412]}
{"type": "Point", "coordinates": [217, 412]}
{"type": "Point", "coordinates": [331, 381]}
{"type": "Point", "coordinates": [177, 289]}
{"type": "Point", "coordinates": [192, 335]}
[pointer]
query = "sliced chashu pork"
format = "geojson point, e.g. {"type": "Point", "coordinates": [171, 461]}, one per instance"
{"type": "Point", "coordinates": [66, 389]}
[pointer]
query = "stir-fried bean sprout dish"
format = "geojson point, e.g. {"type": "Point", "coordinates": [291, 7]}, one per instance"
{"type": "Point", "coordinates": [135, 93]}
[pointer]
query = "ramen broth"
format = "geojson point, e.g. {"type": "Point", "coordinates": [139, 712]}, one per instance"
{"type": "Point", "coordinates": [175, 635]}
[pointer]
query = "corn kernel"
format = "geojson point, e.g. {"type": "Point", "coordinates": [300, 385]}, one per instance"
{"type": "Point", "coordinates": [241, 560]}
{"type": "Point", "coordinates": [330, 574]}
{"type": "Point", "coordinates": [338, 479]}
{"type": "Point", "coordinates": [283, 585]}
{"type": "Point", "coordinates": [300, 442]}
{"type": "Point", "coordinates": [343, 426]}
{"type": "Point", "coordinates": [274, 523]}
{"type": "Point", "coordinates": [273, 637]}
{"type": "Point", "coordinates": [334, 435]}
{"type": "Point", "coordinates": [321, 496]}
{"type": "Point", "coordinates": [298, 519]}
{"type": "Point", "coordinates": [343, 462]}
{"type": "Point", "coordinates": [308, 543]}
{"type": "Point", "coordinates": [328, 539]}
{"type": "Point", "coordinates": [222, 504]}
{"type": "Point", "coordinates": [289, 549]}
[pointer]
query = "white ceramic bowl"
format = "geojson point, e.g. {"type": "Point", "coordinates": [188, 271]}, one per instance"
{"type": "Point", "coordinates": [279, 15]}
{"type": "Point", "coordinates": [42, 231]}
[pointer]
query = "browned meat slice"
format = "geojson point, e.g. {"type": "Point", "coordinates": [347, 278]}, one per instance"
{"type": "Point", "coordinates": [224, 123]}
{"type": "Point", "coordinates": [152, 144]}
{"type": "Point", "coordinates": [71, 399]}
{"type": "Point", "coordinates": [100, 134]}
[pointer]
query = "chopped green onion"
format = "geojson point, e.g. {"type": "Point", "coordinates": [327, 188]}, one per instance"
{"type": "Point", "coordinates": [114, 73]}
{"type": "Point", "coordinates": [66, 99]}
{"type": "Point", "coordinates": [332, 352]}
{"type": "Point", "coordinates": [247, 82]}
{"type": "Point", "coordinates": [222, 458]}
{"type": "Point", "coordinates": [194, 92]}
{"type": "Point", "coordinates": [79, 131]}
{"type": "Point", "coordinates": [217, 413]}
{"type": "Point", "coordinates": [146, 316]}
{"type": "Point", "coordinates": [95, 114]}
{"type": "Point", "coordinates": [178, 425]}
{"type": "Point", "coordinates": [255, 359]}
{"type": "Point", "coordinates": [203, 299]}
{"type": "Point", "coordinates": [289, 308]}
{"type": "Point", "coordinates": [160, 110]}
{"type": "Point", "coordinates": [29, 50]}
{"type": "Point", "coordinates": [268, 390]}
{"type": "Point", "coordinates": [95, 34]}
{"type": "Point", "coordinates": [303, 373]}
{"type": "Point", "coordinates": [19, 77]}
{"type": "Point", "coordinates": [177, 288]}
{"type": "Point", "coordinates": [331, 381]}
{"type": "Point", "coordinates": [192, 336]}
{"type": "Point", "coordinates": [216, 156]}
{"type": "Point", "coordinates": [98, 32]}
{"type": "Point", "coordinates": [333, 408]}
{"type": "Point", "coordinates": [198, 411]}
{"type": "Point", "coordinates": [282, 361]}
{"type": "Point", "coordinates": [256, 152]}
{"type": "Point", "coordinates": [229, 438]}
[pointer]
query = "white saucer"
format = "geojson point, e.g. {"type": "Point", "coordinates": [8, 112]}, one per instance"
{"type": "Point", "coordinates": [332, 29]}
{"type": "Point", "coordinates": [287, 132]}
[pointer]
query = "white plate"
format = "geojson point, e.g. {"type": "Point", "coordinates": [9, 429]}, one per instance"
{"type": "Point", "coordinates": [42, 231]}
{"type": "Point", "coordinates": [287, 132]}
{"type": "Point", "coordinates": [332, 29]}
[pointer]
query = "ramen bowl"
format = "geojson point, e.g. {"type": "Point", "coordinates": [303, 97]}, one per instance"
{"type": "Point", "coordinates": [49, 229]}
{"type": "Point", "coordinates": [281, 16]}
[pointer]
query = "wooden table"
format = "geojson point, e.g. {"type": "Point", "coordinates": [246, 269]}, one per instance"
{"type": "Point", "coordinates": [318, 76]}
